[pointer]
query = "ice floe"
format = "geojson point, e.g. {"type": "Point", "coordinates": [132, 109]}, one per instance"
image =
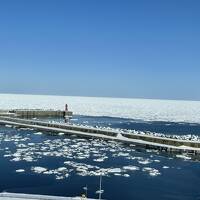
{"type": "Point", "coordinates": [165, 167]}
{"type": "Point", "coordinates": [20, 170]}
{"type": "Point", "coordinates": [38, 133]}
{"type": "Point", "coordinates": [185, 157]}
{"type": "Point", "coordinates": [151, 171]}
{"type": "Point", "coordinates": [131, 168]}
{"type": "Point", "coordinates": [7, 125]}
{"type": "Point", "coordinates": [83, 157]}
{"type": "Point", "coordinates": [38, 169]}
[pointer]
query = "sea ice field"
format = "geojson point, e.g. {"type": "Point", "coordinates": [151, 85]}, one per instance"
{"type": "Point", "coordinates": [137, 109]}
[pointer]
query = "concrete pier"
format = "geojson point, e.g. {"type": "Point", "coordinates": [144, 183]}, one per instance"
{"type": "Point", "coordinates": [146, 141]}
{"type": "Point", "coordinates": [30, 113]}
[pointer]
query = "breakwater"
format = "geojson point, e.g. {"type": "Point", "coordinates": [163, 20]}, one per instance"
{"type": "Point", "coordinates": [30, 113]}
{"type": "Point", "coordinates": [146, 141]}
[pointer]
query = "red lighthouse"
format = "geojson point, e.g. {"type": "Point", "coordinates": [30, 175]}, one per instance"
{"type": "Point", "coordinates": [66, 107]}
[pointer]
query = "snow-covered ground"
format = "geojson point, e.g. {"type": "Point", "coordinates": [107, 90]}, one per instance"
{"type": "Point", "coordinates": [141, 109]}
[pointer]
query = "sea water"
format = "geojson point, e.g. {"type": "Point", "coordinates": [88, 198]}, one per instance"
{"type": "Point", "coordinates": [45, 163]}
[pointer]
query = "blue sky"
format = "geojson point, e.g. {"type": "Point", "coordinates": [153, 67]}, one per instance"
{"type": "Point", "coordinates": [126, 48]}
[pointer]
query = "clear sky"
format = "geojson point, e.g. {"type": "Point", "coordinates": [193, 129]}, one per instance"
{"type": "Point", "coordinates": [117, 48]}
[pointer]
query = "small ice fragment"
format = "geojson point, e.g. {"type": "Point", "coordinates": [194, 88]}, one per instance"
{"type": "Point", "coordinates": [117, 174]}
{"type": "Point", "coordinates": [9, 126]}
{"type": "Point", "coordinates": [20, 170]}
{"type": "Point", "coordinates": [38, 133]}
{"type": "Point", "coordinates": [16, 159]}
{"type": "Point", "coordinates": [114, 170]}
{"type": "Point", "coordinates": [132, 168]}
{"type": "Point", "coordinates": [165, 167]}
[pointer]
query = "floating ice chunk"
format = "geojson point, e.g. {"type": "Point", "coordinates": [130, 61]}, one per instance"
{"type": "Point", "coordinates": [16, 154]}
{"type": "Point", "coordinates": [97, 144]}
{"type": "Point", "coordinates": [84, 173]}
{"type": "Point", "coordinates": [74, 119]}
{"type": "Point", "coordinates": [59, 177]}
{"type": "Point", "coordinates": [67, 140]}
{"type": "Point", "coordinates": [152, 171]}
{"type": "Point", "coordinates": [20, 170]}
{"type": "Point", "coordinates": [28, 159]}
{"type": "Point", "coordinates": [81, 157]}
{"type": "Point", "coordinates": [38, 169]}
{"type": "Point", "coordinates": [99, 191]}
{"type": "Point", "coordinates": [9, 126]}
{"type": "Point", "coordinates": [147, 169]}
{"type": "Point", "coordinates": [144, 162]}
{"type": "Point", "coordinates": [131, 168]}
{"type": "Point", "coordinates": [38, 133]}
{"type": "Point", "coordinates": [184, 157]}
{"type": "Point", "coordinates": [123, 154]}
{"type": "Point", "coordinates": [49, 172]}
{"type": "Point", "coordinates": [16, 159]}
{"type": "Point", "coordinates": [61, 169]}
{"type": "Point", "coordinates": [117, 174]}
{"type": "Point", "coordinates": [31, 144]}
{"type": "Point", "coordinates": [21, 145]}
{"type": "Point", "coordinates": [100, 159]}
{"type": "Point", "coordinates": [126, 175]}
{"type": "Point", "coordinates": [7, 155]}
{"type": "Point", "coordinates": [82, 169]}
{"type": "Point", "coordinates": [96, 173]}
{"type": "Point", "coordinates": [149, 150]}
{"type": "Point", "coordinates": [165, 167]}
{"type": "Point", "coordinates": [68, 162]}
{"type": "Point", "coordinates": [114, 170]}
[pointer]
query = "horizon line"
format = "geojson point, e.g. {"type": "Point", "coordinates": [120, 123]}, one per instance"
{"type": "Point", "coordinates": [113, 97]}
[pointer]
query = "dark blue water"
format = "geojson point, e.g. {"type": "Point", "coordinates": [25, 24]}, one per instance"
{"type": "Point", "coordinates": [172, 128]}
{"type": "Point", "coordinates": [175, 178]}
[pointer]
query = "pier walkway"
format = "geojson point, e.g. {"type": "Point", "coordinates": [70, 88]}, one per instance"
{"type": "Point", "coordinates": [146, 141]}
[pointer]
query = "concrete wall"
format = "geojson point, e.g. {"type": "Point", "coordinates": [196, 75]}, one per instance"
{"type": "Point", "coordinates": [39, 113]}
{"type": "Point", "coordinates": [160, 140]}
{"type": "Point", "coordinates": [35, 113]}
